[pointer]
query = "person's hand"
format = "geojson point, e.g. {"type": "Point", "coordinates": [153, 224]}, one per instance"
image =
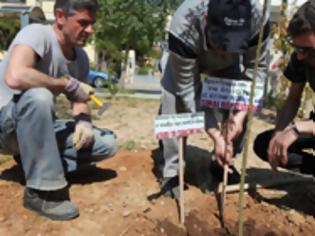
{"type": "Point", "coordinates": [233, 127]}
{"type": "Point", "coordinates": [77, 91]}
{"type": "Point", "coordinates": [223, 151]}
{"type": "Point", "coordinates": [83, 136]}
{"type": "Point", "coordinates": [278, 147]}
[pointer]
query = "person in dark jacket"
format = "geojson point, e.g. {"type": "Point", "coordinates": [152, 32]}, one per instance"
{"type": "Point", "coordinates": [217, 38]}
{"type": "Point", "coordinates": [286, 145]}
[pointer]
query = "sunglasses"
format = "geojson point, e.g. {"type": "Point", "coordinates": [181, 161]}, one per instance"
{"type": "Point", "coordinates": [301, 49]}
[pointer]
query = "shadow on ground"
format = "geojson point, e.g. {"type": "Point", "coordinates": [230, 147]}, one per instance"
{"type": "Point", "coordinates": [91, 175]}
{"type": "Point", "coordinates": [197, 164]}
{"type": "Point", "coordinates": [14, 174]}
{"type": "Point", "coordinates": [85, 176]}
{"type": "Point", "coordinates": [296, 192]}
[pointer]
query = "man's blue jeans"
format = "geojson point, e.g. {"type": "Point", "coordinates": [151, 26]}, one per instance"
{"type": "Point", "coordinates": [28, 128]}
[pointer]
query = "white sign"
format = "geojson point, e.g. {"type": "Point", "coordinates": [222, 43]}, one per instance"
{"type": "Point", "coordinates": [230, 94]}
{"type": "Point", "coordinates": [184, 124]}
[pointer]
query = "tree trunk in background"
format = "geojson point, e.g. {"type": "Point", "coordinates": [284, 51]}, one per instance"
{"type": "Point", "coordinates": [124, 74]}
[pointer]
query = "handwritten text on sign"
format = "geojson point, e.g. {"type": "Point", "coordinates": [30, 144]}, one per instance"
{"type": "Point", "coordinates": [167, 126]}
{"type": "Point", "coordinates": [230, 94]}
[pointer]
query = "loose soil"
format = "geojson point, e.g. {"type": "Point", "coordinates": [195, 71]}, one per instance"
{"type": "Point", "coordinates": [113, 197]}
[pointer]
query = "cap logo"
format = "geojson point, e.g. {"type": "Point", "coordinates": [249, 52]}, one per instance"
{"type": "Point", "coordinates": [233, 22]}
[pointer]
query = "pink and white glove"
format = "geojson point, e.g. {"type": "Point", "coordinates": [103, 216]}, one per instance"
{"type": "Point", "coordinates": [77, 91]}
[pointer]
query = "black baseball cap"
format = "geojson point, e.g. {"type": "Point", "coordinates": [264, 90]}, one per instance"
{"type": "Point", "coordinates": [229, 24]}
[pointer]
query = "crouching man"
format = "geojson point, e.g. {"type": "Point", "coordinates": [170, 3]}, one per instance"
{"type": "Point", "coordinates": [42, 62]}
{"type": "Point", "coordinates": [286, 146]}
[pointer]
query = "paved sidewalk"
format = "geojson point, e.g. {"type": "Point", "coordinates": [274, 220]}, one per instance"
{"type": "Point", "coordinates": [146, 84]}
{"type": "Point", "coordinates": [143, 86]}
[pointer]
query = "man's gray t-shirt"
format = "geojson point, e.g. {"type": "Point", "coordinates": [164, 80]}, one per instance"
{"type": "Point", "coordinates": [42, 39]}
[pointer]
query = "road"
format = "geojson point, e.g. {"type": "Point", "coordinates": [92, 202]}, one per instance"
{"type": "Point", "coordinates": [143, 86]}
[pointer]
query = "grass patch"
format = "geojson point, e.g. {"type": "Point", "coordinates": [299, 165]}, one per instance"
{"type": "Point", "coordinates": [4, 159]}
{"type": "Point", "coordinates": [125, 90]}
{"type": "Point", "coordinates": [63, 107]}
{"type": "Point", "coordinates": [139, 101]}
{"type": "Point", "coordinates": [64, 111]}
{"type": "Point", "coordinates": [129, 145]}
{"type": "Point", "coordinates": [132, 103]}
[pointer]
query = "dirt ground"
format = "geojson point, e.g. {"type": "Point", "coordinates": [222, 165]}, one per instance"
{"type": "Point", "coordinates": [113, 197]}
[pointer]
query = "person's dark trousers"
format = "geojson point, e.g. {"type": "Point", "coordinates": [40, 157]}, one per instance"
{"type": "Point", "coordinates": [298, 158]}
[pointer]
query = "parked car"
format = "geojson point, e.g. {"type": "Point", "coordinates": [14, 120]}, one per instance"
{"type": "Point", "coordinates": [100, 79]}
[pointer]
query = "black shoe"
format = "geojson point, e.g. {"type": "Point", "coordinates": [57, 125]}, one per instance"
{"type": "Point", "coordinates": [18, 161]}
{"type": "Point", "coordinates": [309, 191]}
{"type": "Point", "coordinates": [170, 187]}
{"type": "Point", "coordinates": [217, 173]}
{"type": "Point", "coordinates": [55, 205]}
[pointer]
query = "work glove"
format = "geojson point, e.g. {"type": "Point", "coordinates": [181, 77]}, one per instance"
{"type": "Point", "coordinates": [77, 91]}
{"type": "Point", "coordinates": [83, 136]}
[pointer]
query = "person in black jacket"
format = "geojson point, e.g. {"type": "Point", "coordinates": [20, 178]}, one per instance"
{"type": "Point", "coordinates": [287, 144]}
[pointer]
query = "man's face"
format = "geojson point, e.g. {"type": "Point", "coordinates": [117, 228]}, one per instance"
{"type": "Point", "coordinates": [215, 47]}
{"type": "Point", "coordinates": [304, 46]}
{"type": "Point", "coordinates": [78, 27]}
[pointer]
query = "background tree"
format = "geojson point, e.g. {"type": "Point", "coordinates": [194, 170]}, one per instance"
{"type": "Point", "coordinates": [8, 30]}
{"type": "Point", "coordinates": [129, 24]}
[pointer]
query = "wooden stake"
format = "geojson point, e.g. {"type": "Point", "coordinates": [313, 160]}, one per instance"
{"type": "Point", "coordinates": [181, 179]}
{"type": "Point", "coordinates": [225, 176]}
{"type": "Point", "coordinates": [250, 120]}
{"type": "Point", "coordinates": [270, 184]}
{"type": "Point", "coordinates": [223, 192]}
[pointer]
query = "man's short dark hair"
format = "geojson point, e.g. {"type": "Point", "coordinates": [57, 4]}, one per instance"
{"type": "Point", "coordinates": [303, 21]}
{"type": "Point", "coordinates": [69, 6]}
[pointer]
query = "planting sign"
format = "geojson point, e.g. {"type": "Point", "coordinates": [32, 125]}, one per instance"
{"type": "Point", "coordinates": [230, 94]}
{"type": "Point", "coordinates": [167, 126]}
